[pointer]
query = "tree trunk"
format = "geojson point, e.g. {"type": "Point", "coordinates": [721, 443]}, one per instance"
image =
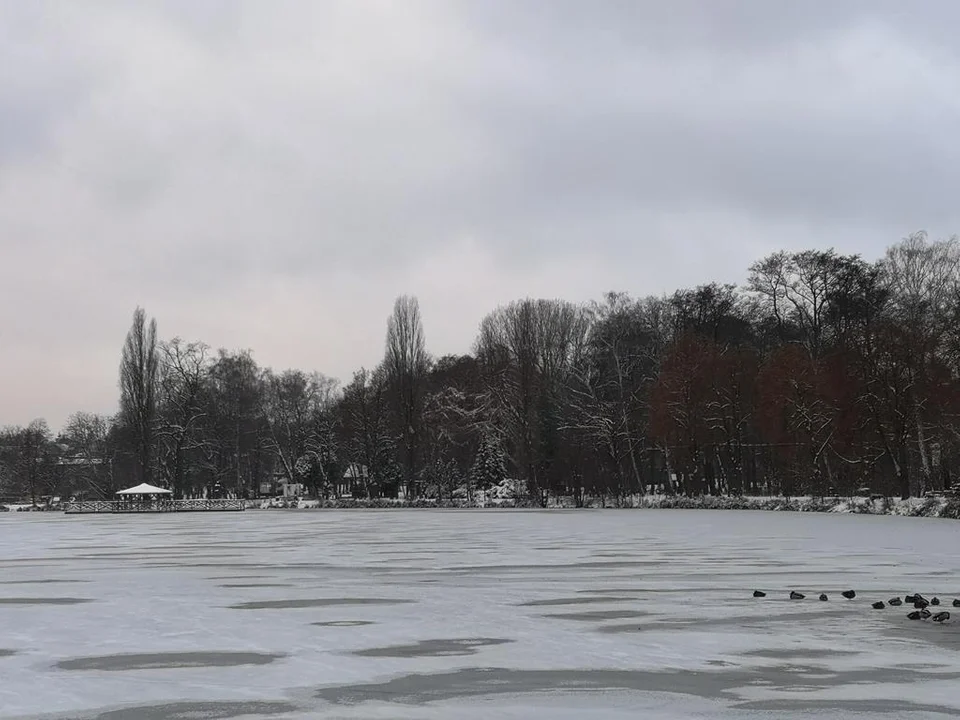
{"type": "Point", "coordinates": [925, 472]}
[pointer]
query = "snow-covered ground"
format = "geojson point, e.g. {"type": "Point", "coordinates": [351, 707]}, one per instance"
{"type": "Point", "coordinates": [472, 614]}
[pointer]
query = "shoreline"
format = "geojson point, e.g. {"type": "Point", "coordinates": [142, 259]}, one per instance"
{"type": "Point", "coordinates": [930, 507]}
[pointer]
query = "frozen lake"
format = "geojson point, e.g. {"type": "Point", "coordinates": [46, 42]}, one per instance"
{"type": "Point", "coordinates": [473, 614]}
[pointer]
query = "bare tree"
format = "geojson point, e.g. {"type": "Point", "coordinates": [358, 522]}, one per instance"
{"type": "Point", "coordinates": [320, 466]}
{"type": "Point", "coordinates": [234, 447]}
{"type": "Point", "coordinates": [406, 364]}
{"type": "Point", "coordinates": [33, 461]}
{"type": "Point", "coordinates": [923, 278]}
{"type": "Point", "coordinates": [797, 289]}
{"type": "Point", "coordinates": [183, 375]}
{"type": "Point", "coordinates": [529, 351]}
{"type": "Point", "coordinates": [609, 396]}
{"type": "Point", "coordinates": [362, 410]}
{"type": "Point", "coordinates": [507, 350]}
{"type": "Point", "coordinates": [294, 402]}
{"type": "Point", "coordinates": [86, 434]}
{"type": "Point", "coordinates": [138, 390]}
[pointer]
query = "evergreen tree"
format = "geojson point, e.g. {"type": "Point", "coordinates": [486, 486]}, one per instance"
{"type": "Point", "coordinates": [489, 467]}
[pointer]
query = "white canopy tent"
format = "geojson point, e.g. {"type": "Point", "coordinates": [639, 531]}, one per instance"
{"type": "Point", "coordinates": [144, 489]}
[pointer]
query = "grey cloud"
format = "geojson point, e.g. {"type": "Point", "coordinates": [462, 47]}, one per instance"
{"type": "Point", "coordinates": [822, 133]}
{"type": "Point", "coordinates": [740, 28]}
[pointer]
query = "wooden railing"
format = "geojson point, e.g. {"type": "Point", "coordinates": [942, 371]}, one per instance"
{"type": "Point", "coordinates": [152, 506]}
{"type": "Point", "coordinates": [201, 504]}
{"type": "Point", "coordinates": [88, 506]}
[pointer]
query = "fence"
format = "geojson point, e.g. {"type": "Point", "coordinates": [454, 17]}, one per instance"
{"type": "Point", "coordinates": [74, 507]}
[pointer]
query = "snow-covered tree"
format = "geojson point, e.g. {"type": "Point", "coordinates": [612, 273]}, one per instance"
{"type": "Point", "coordinates": [490, 466]}
{"type": "Point", "coordinates": [441, 478]}
{"type": "Point", "coordinates": [386, 475]}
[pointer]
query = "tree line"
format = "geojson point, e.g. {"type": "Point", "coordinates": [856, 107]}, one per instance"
{"type": "Point", "coordinates": [825, 374]}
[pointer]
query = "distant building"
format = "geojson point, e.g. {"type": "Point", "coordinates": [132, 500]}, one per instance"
{"type": "Point", "coordinates": [354, 481]}
{"type": "Point", "coordinates": [291, 489]}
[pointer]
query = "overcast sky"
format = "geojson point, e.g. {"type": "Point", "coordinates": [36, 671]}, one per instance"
{"type": "Point", "coordinates": [270, 175]}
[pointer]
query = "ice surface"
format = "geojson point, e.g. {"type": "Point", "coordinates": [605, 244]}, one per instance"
{"type": "Point", "coordinates": [473, 614]}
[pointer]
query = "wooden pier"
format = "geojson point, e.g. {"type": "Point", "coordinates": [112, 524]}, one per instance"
{"type": "Point", "coordinates": [75, 507]}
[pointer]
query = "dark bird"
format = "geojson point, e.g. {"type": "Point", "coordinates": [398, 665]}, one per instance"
{"type": "Point", "coordinates": [925, 613]}
{"type": "Point", "coordinates": [878, 605]}
{"type": "Point", "coordinates": [759, 593]}
{"type": "Point", "coordinates": [915, 615]}
{"type": "Point", "coordinates": [910, 599]}
{"type": "Point", "coordinates": [849, 594]}
{"type": "Point", "coordinates": [896, 602]}
{"type": "Point", "coordinates": [794, 595]}
{"type": "Point", "coordinates": [956, 603]}
{"type": "Point", "coordinates": [920, 603]}
{"type": "Point", "coordinates": [823, 597]}
{"type": "Point", "coordinates": [935, 601]}
{"type": "Point", "coordinates": [941, 616]}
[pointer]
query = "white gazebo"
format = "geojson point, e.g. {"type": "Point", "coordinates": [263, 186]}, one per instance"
{"type": "Point", "coordinates": [143, 497]}
{"type": "Point", "coordinates": [144, 489]}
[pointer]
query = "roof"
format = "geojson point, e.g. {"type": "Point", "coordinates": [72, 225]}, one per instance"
{"type": "Point", "coordinates": [144, 489]}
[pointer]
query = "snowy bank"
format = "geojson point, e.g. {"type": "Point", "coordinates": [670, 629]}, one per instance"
{"type": "Point", "coordinates": [914, 507]}
{"type": "Point", "coordinates": [941, 507]}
